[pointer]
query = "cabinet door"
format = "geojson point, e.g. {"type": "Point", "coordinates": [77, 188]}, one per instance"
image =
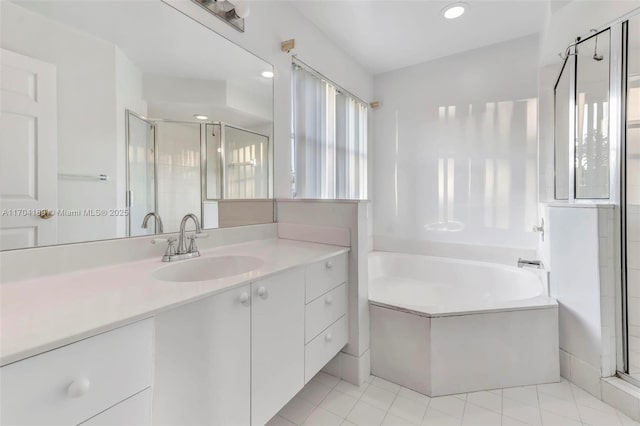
{"type": "Point", "coordinates": [203, 362]}
{"type": "Point", "coordinates": [134, 411]}
{"type": "Point", "coordinates": [277, 343]}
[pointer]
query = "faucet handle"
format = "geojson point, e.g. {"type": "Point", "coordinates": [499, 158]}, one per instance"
{"type": "Point", "coordinates": [192, 244]}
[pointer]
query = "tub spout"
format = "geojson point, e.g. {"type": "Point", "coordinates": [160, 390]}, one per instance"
{"type": "Point", "coordinates": [522, 263]}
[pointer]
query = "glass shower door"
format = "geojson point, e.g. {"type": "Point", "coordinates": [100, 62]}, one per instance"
{"type": "Point", "coordinates": [246, 173]}
{"type": "Point", "coordinates": [631, 206]}
{"type": "Point", "coordinates": [141, 173]}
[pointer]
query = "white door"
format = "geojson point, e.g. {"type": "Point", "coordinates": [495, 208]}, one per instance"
{"type": "Point", "coordinates": [28, 151]}
{"type": "Point", "coordinates": [277, 343]}
{"type": "Point", "coordinates": [202, 362]}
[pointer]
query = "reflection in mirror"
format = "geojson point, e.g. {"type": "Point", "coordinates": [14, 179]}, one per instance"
{"type": "Point", "coordinates": [592, 120]}
{"type": "Point", "coordinates": [108, 117]}
{"type": "Point", "coordinates": [562, 135]}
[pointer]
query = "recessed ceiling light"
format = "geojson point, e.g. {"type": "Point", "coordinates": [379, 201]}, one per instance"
{"type": "Point", "coordinates": [201, 117]}
{"type": "Point", "coordinates": [453, 11]}
{"type": "Point", "coordinates": [267, 74]}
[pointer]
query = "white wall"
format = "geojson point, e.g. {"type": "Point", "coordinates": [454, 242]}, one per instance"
{"type": "Point", "coordinates": [455, 149]}
{"type": "Point", "coordinates": [270, 23]}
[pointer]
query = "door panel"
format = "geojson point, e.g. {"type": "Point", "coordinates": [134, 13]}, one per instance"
{"type": "Point", "coordinates": [277, 343]}
{"type": "Point", "coordinates": [28, 152]}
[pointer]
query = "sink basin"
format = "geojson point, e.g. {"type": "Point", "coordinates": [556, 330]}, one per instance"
{"type": "Point", "coordinates": [207, 268]}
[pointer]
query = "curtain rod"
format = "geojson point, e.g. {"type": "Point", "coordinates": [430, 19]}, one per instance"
{"type": "Point", "coordinates": [296, 61]}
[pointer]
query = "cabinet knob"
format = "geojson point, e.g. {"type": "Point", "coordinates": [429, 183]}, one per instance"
{"type": "Point", "coordinates": [328, 337]}
{"type": "Point", "coordinates": [78, 388]}
{"type": "Point", "coordinates": [262, 292]}
{"type": "Point", "coordinates": [328, 300]}
{"type": "Point", "coordinates": [244, 298]}
{"type": "Point", "coordinates": [329, 264]}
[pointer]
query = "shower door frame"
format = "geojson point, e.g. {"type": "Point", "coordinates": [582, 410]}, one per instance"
{"type": "Point", "coordinates": [617, 169]}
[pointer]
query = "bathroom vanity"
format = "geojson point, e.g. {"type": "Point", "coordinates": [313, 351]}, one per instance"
{"type": "Point", "coordinates": [119, 345]}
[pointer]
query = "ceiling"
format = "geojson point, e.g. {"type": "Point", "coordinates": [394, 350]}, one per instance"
{"type": "Point", "coordinates": [387, 35]}
{"type": "Point", "coordinates": [139, 28]}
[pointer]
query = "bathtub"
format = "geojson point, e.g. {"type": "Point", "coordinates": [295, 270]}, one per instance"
{"type": "Point", "coordinates": [442, 326]}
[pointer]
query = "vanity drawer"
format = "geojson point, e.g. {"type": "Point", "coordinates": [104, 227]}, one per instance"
{"type": "Point", "coordinates": [324, 276]}
{"type": "Point", "coordinates": [324, 311]}
{"type": "Point", "coordinates": [134, 411]}
{"type": "Point", "coordinates": [324, 347]}
{"type": "Point", "coordinates": [75, 382]}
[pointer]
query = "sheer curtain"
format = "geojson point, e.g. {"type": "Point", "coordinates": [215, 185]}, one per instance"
{"type": "Point", "coordinates": [329, 139]}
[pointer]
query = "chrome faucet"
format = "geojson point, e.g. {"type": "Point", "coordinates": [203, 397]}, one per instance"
{"type": "Point", "coordinates": [159, 226]}
{"type": "Point", "coordinates": [182, 246]}
{"type": "Point", "coordinates": [530, 263]}
{"type": "Point", "coordinates": [183, 251]}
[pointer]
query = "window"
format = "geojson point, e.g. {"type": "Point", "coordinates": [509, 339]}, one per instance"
{"type": "Point", "coordinates": [329, 139]}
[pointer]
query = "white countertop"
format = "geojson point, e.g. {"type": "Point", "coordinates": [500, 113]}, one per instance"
{"type": "Point", "coordinates": [45, 313]}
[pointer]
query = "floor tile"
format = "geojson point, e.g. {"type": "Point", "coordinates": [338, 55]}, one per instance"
{"type": "Point", "coordinates": [408, 409]}
{"type": "Point", "coordinates": [378, 397]}
{"type": "Point", "coordinates": [326, 379]}
{"type": "Point", "coordinates": [449, 405]}
{"type": "Point", "coordinates": [561, 390]}
{"type": "Point", "coordinates": [585, 399]}
{"type": "Point", "coordinates": [413, 395]}
{"type": "Point", "coordinates": [490, 401]}
{"type": "Point", "coordinates": [434, 417]}
{"type": "Point", "coordinates": [279, 421]}
{"type": "Point", "coordinates": [364, 414]}
{"type": "Point", "coordinates": [478, 416]}
{"type": "Point", "coordinates": [594, 417]}
{"type": "Point", "coordinates": [391, 420]}
{"type": "Point", "coordinates": [297, 410]}
{"type": "Point", "coordinates": [527, 395]}
{"type": "Point", "coordinates": [329, 401]}
{"type": "Point", "coordinates": [626, 420]}
{"type": "Point", "coordinates": [385, 384]}
{"type": "Point", "coordinates": [314, 392]}
{"type": "Point", "coordinates": [552, 419]}
{"type": "Point", "coordinates": [321, 417]}
{"type": "Point", "coordinates": [338, 403]}
{"type": "Point", "coordinates": [351, 389]}
{"type": "Point", "coordinates": [508, 421]}
{"type": "Point", "coordinates": [521, 412]}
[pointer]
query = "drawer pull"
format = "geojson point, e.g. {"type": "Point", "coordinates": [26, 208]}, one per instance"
{"type": "Point", "coordinates": [262, 292]}
{"type": "Point", "coordinates": [328, 265]}
{"type": "Point", "coordinates": [244, 298]}
{"type": "Point", "coordinates": [328, 300]}
{"type": "Point", "coordinates": [78, 388]}
{"type": "Point", "coordinates": [328, 337]}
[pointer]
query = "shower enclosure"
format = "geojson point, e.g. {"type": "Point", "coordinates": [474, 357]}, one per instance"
{"type": "Point", "coordinates": [180, 167]}
{"type": "Point", "coordinates": [631, 199]}
{"type": "Point", "coordinates": [597, 155]}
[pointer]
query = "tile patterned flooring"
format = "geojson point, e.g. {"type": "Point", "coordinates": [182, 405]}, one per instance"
{"type": "Point", "coordinates": [328, 401]}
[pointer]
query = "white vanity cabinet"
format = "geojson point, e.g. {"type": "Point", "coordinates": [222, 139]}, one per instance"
{"type": "Point", "coordinates": [77, 382]}
{"type": "Point", "coordinates": [325, 312]}
{"type": "Point", "coordinates": [203, 362]}
{"type": "Point", "coordinates": [277, 342]}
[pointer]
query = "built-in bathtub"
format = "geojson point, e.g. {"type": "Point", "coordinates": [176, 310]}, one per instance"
{"type": "Point", "coordinates": [442, 326]}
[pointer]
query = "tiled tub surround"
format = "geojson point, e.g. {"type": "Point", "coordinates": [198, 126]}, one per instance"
{"type": "Point", "coordinates": [445, 326]}
{"type": "Point", "coordinates": [45, 313]}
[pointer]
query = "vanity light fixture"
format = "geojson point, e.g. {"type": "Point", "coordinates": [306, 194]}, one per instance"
{"type": "Point", "coordinates": [454, 10]}
{"type": "Point", "coordinates": [267, 74]}
{"type": "Point", "coordinates": [233, 12]}
{"type": "Point", "coordinates": [201, 116]}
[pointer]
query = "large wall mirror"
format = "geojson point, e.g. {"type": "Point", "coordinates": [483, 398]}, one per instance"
{"type": "Point", "coordinates": [112, 110]}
